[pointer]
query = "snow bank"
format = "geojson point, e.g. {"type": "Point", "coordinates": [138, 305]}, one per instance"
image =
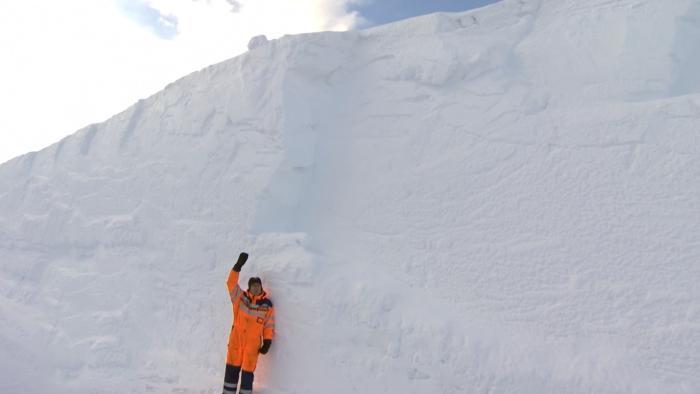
{"type": "Point", "coordinates": [502, 200]}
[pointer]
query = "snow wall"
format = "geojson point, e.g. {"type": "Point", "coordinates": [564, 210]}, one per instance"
{"type": "Point", "coordinates": [498, 201]}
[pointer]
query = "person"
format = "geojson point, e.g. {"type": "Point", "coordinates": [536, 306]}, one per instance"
{"type": "Point", "coordinates": [252, 331]}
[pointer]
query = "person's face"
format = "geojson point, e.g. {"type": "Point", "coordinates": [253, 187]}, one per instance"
{"type": "Point", "coordinates": [256, 289]}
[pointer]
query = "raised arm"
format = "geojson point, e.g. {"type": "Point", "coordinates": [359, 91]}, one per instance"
{"type": "Point", "coordinates": [232, 281]}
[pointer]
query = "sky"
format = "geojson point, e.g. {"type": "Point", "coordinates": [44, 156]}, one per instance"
{"type": "Point", "coordinates": [67, 64]}
{"type": "Point", "coordinates": [380, 12]}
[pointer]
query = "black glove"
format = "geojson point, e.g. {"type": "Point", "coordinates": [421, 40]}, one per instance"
{"type": "Point", "coordinates": [266, 346]}
{"type": "Point", "coordinates": [241, 261]}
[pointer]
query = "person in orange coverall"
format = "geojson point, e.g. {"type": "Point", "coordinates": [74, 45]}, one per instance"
{"type": "Point", "coordinates": [252, 331]}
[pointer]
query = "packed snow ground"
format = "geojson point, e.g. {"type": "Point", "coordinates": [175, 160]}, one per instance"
{"type": "Point", "coordinates": [498, 201]}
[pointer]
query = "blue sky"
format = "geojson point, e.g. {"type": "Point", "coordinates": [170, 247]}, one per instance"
{"type": "Point", "coordinates": [372, 12]}
{"type": "Point", "coordinates": [163, 26]}
{"type": "Point", "coordinates": [79, 62]}
{"type": "Point", "coordinates": [379, 12]}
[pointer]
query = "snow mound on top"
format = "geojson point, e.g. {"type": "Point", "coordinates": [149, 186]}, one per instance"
{"type": "Point", "coordinates": [257, 41]}
{"type": "Point", "coordinates": [502, 200]}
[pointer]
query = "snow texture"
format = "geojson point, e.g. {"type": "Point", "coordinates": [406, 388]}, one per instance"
{"type": "Point", "coordinates": [498, 201]}
{"type": "Point", "coordinates": [257, 41]}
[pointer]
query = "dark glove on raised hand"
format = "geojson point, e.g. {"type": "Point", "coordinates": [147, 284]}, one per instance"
{"type": "Point", "coordinates": [241, 261]}
{"type": "Point", "coordinates": [266, 346]}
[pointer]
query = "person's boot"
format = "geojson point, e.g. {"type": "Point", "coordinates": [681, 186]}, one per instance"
{"type": "Point", "coordinates": [231, 379]}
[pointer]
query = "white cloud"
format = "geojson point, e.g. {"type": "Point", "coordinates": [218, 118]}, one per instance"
{"type": "Point", "coordinates": [164, 26]}
{"type": "Point", "coordinates": [66, 64]}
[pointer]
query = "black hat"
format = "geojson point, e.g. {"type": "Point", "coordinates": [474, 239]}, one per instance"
{"type": "Point", "coordinates": [254, 279]}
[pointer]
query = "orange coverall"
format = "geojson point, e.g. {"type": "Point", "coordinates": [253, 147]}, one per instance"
{"type": "Point", "coordinates": [253, 321]}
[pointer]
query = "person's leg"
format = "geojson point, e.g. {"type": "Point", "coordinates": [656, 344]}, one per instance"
{"type": "Point", "coordinates": [231, 379]}
{"type": "Point", "coordinates": [250, 359]}
{"type": "Point", "coordinates": [234, 360]}
{"type": "Point", "coordinates": [246, 382]}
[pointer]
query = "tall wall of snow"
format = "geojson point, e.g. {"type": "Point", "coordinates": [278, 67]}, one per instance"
{"type": "Point", "coordinates": [503, 200]}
